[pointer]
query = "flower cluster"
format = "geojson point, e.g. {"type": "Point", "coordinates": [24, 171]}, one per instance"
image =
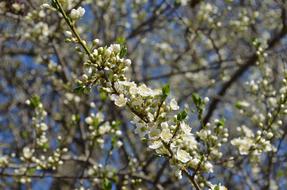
{"type": "Point", "coordinates": [39, 125]}
{"type": "Point", "coordinates": [4, 160]}
{"type": "Point", "coordinates": [249, 142]}
{"type": "Point", "coordinates": [77, 13]}
{"type": "Point", "coordinates": [156, 118]}
{"type": "Point", "coordinates": [34, 156]}
{"type": "Point", "coordinates": [98, 128]}
{"type": "Point", "coordinates": [269, 123]}
{"type": "Point", "coordinates": [40, 31]}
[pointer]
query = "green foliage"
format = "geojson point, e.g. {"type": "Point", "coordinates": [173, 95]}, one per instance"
{"type": "Point", "coordinates": [199, 104]}
{"type": "Point", "coordinates": [81, 89]}
{"type": "Point", "coordinates": [182, 115]}
{"type": "Point", "coordinates": [165, 91]}
{"type": "Point", "coordinates": [220, 123]}
{"type": "Point", "coordinates": [238, 105]}
{"type": "Point", "coordinates": [123, 51]}
{"type": "Point", "coordinates": [217, 187]}
{"type": "Point", "coordinates": [103, 95]}
{"type": "Point", "coordinates": [107, 185]}
{"type": "Point", "coordinates": [197, 100]}
{"type": "Point", "coordinates": [24, 134]}
{"type": "Point", "coordinates": [121, 41]}
{"type": "Point", "coordinates": [35, 101]}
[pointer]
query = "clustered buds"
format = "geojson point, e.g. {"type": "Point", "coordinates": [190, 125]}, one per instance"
{"type": "Point", "coordinates": [77, 13]}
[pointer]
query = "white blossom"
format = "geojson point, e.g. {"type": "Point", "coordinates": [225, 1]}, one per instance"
{"type": "Point", "coordinates": [144, 91]}
{"type": "Point", "coordinates": [43, 127]}
{"type": "Point", "coordinates": [182, 156]}
{"type": "Point", "coordinates": [89, 120]}
{"type": "Point", "coordinates": [178, 174]}
{"type": "Point", "coordinates": [128, 62]}
{"type": "Point", "coordinates": [217, 187]}
{"type": "Point", "coordinates": [77, 13]}
{"type": "Point", "coordinates": [155, 145]}
{"type": "Point", "coordinates": [173, 104]}
{"type": "Point", "coordinates": [209, 167]}
{"type": "Point", "coordinates": [185, 128]}
{"type": "Point", "coordinates": [27, 152]}
{"type": "Point", "coordinates": [3, 160]}
{"type": "Point", "coordinates": [166, 135]}
{"type": "Point", "coordinates": [115, 47]}
{"type": "Point", "coordinates": [244, 144]}
{"type": "Point", "coordinates": [119, 100]}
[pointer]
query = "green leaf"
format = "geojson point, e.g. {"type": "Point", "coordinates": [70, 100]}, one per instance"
{"type": "Point", "coordinates": [107, 184]}
{"type": "Point", "coordinates": [220, 123]}
{"type": "Point", "coordinates": [116, 124]}
{"type": "Point", "coordinates": [24, 134]}
{"type": "Point", "coordinates": [280, 173]}
{"type": "Point", "coordinates": [241, 104]}
{"type": "Point", "coordinates": [81, 89]}
{"type": "Point", "coordinates": [114, 140]}
{"type": "Point", "coordinates": [35, 101]}
{"type": "Point", "coordinates": [78, 89]}
{"type": "Point", "coordinates": [196, 99]}
{"type": "Point", "coordinates": [31, 171]}
{"type": "Point", "coordinates": [45, 146]}
{"type": "Point", "coordinates": [123, 52]}
{"type": "Point", "coordinates": [76, 118]}
{"type": "Point", "coordinates": [165, 91]}
{"type": "Point", "coordinates": [177, 3]}
{"type": "Point", "coordinates": [217, 187]}
{"type": "Point", "coordinates": [199, 104]}
{"type": "Point", "coordinates": [103, 95]}
{"type": "Point", "coordinates": [238, 105]}
{"type": "Point", "coordinates": [95, 122]}
{"type": "Point", "coordinates": [181, 116]}
{"type": "Point", "coordinates": [121, 41]}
